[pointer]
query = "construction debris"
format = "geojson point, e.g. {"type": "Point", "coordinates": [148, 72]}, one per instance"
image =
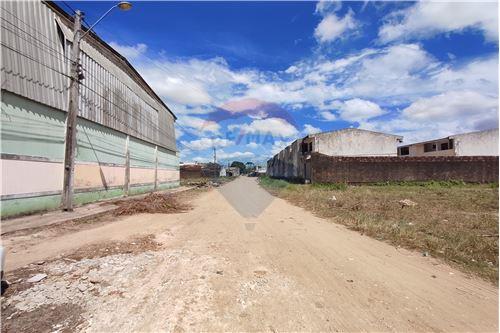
{"type": "Point", "coordinates": [152, 203]}
{"type": "Point", "coordinates": [36, 278]}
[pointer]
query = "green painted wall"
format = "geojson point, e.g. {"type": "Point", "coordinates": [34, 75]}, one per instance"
{"type": "Point", "coordinates": [29, 128]}
{"type": "Point", "coordinates": [99, 144]}
{"type": "Point", "coordinates": [33, 129]}
{"type": "Point", "coordinates": [23, 206]}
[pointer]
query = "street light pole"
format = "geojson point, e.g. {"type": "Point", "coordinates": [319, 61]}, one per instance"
{"type": "Point", "coordinates": [72, 115]}
{"type": "Point", "coordinates": [74, 90]}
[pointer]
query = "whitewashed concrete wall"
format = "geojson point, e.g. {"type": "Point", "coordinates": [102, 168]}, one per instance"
{"type": "Point", "coordinates": [356, 142]}
{"type": "Point", "coordinates": [483, 143]}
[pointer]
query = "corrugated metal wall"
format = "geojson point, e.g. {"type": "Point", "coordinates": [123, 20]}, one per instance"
{"type": "Point", "coordinates": [35, 64]}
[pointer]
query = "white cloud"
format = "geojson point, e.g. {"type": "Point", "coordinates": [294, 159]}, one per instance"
{"type": "Point", "coordinates": [130, 51]}
{"type": "Point", "coordinates": [310, 129]}
{"type": "Point", "coordinates": [328, 115]}
{"type": "Point", "coordinates": [454, 105]}
{"type": "Point", "coordinates": [441, 115]}
{"type": "Point", "coordinates": [194, 82]}
{"type": "Point", "coordinates": [237, 154]}
{"type": "Point", "coordinates": [388, 77]}
{"type": "Point", "coordinates": [253, 145]}
{"type": "Point", "coordinates": [271, 126]}
{"type": "Point", "coordinates": [182, 109]}
{"type": "Point", "coordinates": [278, 146]}
{"type": "Point", "coordinates": [206, 143]}
{"type": "Point", "coordinates": [198, 125]}
{"type": "Point", "coordinates": [325, 6]}
{"type": "Point", "coordinates": [199, 159]}
{"type": "Point", "coordinates": [427, 18]}
{"type": "Point", "coordinates": [357, 109]}
{"type": "Point", "coordinates": [178, 132]}
{"type": "Point", "coordinates": [333, 27]}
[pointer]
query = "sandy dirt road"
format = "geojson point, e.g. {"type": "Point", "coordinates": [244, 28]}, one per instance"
{"type": "Point", "coordinates": [242, 260]}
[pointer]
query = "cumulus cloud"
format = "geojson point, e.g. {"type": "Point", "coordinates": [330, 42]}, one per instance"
{"type": "Point", "coordinates": [441, 115]}
{"type": "Point", "coordinates": [357, 88]}
{"type": "Point", "coordinates": [328, 115]}
{"type": "Point", "coordinates": [237, 154]}
{"type": "Point", "coordinates": [198, 125]}
{"type": "Point", "coordinates": [333, 27]}
{"type": "Point", "coordinates": [278, 146]}
{"type": "Point", "coordinates": [325, 6]}
{"type": "Point", "coordinates": [193, 82]}
{"type": "Point", "coordinates": [253, 145]}
{"type": "Point", "coordinates": [355, 110]}
{"type": "Point", "coordinates": [268, 126]}
{"type": "Point", "coordinates": [427, 18]}
{"type": "Point", "coordinates": [206, 143]}
{"type": "Point", "coordinates": [130, 51]}
{"type": "Point", "coordinates": [310, 129]}
{"type": "Point", "coordinates": [464, 105]}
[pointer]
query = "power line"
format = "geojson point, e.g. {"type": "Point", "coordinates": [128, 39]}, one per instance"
{"type": "Point", "coordinates": [32, 59]}
{"type": "Point", "coordinates": [70, 8]}
{"type": "Point", "coordinates": [51, 51]}
{"type": "Point", "coordinates": [41, 45]}
{"type": "Point", "coordinates": [28, 25]}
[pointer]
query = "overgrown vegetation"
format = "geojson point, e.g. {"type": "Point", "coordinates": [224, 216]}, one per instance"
{"type": "Point", "coordinates": [451, 220]}
{"type": "Point", "coordinates": [271, 183]}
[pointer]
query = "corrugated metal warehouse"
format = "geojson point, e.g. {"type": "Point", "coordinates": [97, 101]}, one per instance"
{"type": "Point", "coordinates": [118, 112]}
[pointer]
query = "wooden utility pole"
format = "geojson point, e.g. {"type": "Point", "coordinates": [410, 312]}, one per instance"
{"type": "Point", "coordinates": [72, 114]}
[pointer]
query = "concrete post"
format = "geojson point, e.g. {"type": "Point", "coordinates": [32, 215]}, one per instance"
{"type": "Point", "coordinates": [71, 118]}
{"type": "Point", "coordinates": [126, 184]}
{"type": "Point", "coordinates": [156, 169]}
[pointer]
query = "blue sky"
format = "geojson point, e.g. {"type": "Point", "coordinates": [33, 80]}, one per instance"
{"type": "Point", "coordinates": [250, 77]}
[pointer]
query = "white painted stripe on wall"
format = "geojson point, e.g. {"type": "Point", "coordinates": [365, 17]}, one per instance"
{"type": "Point", "coordinates": [20, 177]}
{"type": "Point", "coordinates": [25, 177]}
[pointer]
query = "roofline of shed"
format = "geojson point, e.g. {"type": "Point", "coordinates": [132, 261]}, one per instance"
{"type": "Point", "coordinates": [61, 11]}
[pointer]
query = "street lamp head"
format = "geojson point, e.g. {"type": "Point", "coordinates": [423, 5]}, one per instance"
{"type": "Point", "coordinates": [125, 5]}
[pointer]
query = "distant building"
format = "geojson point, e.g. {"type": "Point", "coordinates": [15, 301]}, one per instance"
{"type": "Point", "coordinates": [188, 171]}
{"type": "Point", "coordinates": [232, 171]}
{"type": "Point", "coordinates": [222, 172]}
{"type": "Point", "coordinates": [482, 143]}
{"type": "Point", "coordinates": [292, 161]}
{"type": "Point", "coordinates": [199, 170]}
{"type": "Point", "coordinates": [210, 170]}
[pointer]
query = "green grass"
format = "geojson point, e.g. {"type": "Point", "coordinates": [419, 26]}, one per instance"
{"type": "Point", "coordinates": [452, 220]}
{"type": "Point", "coordinates": [330, 186]}
{"type": "Point", "coordinates": [272, 183]}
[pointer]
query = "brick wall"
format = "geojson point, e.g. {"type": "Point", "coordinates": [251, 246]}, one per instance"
{"type": "Point", "coordinates": [334, 169]}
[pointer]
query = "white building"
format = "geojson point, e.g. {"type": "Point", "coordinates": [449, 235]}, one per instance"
{"type": "Point", "coordinates": [292, 161]}
{"type": "Point", "coordinates": [482, 143]}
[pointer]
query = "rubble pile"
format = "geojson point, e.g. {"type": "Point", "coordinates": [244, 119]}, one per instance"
{"type": "Point", "coordinates": [151, 203]}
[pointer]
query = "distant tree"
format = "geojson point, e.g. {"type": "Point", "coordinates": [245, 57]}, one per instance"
{"type": "Point", "coordinates": [239, 165]}
{"type": "Point", "coordinates": [249, 167]}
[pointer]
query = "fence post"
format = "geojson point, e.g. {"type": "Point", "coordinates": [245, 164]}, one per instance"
{"type": "Point", "coordinates": [126, 185]}
{"type": "Point", "coordinates": [156, 169]}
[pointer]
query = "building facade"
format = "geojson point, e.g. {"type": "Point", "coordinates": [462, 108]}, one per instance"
{"type": "Point", "coordinates": [293, 162]}
{"type": "Point", "coordinates": [124, 130]}
{"type": "Point", "coordinates": [482, 143]}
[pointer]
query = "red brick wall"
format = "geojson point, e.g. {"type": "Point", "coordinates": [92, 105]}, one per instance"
{"type": "Point", "coordinates": [334, 169]}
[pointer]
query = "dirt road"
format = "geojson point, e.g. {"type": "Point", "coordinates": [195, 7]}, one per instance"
{"type": "Point", "coordinates": [242, 260]}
